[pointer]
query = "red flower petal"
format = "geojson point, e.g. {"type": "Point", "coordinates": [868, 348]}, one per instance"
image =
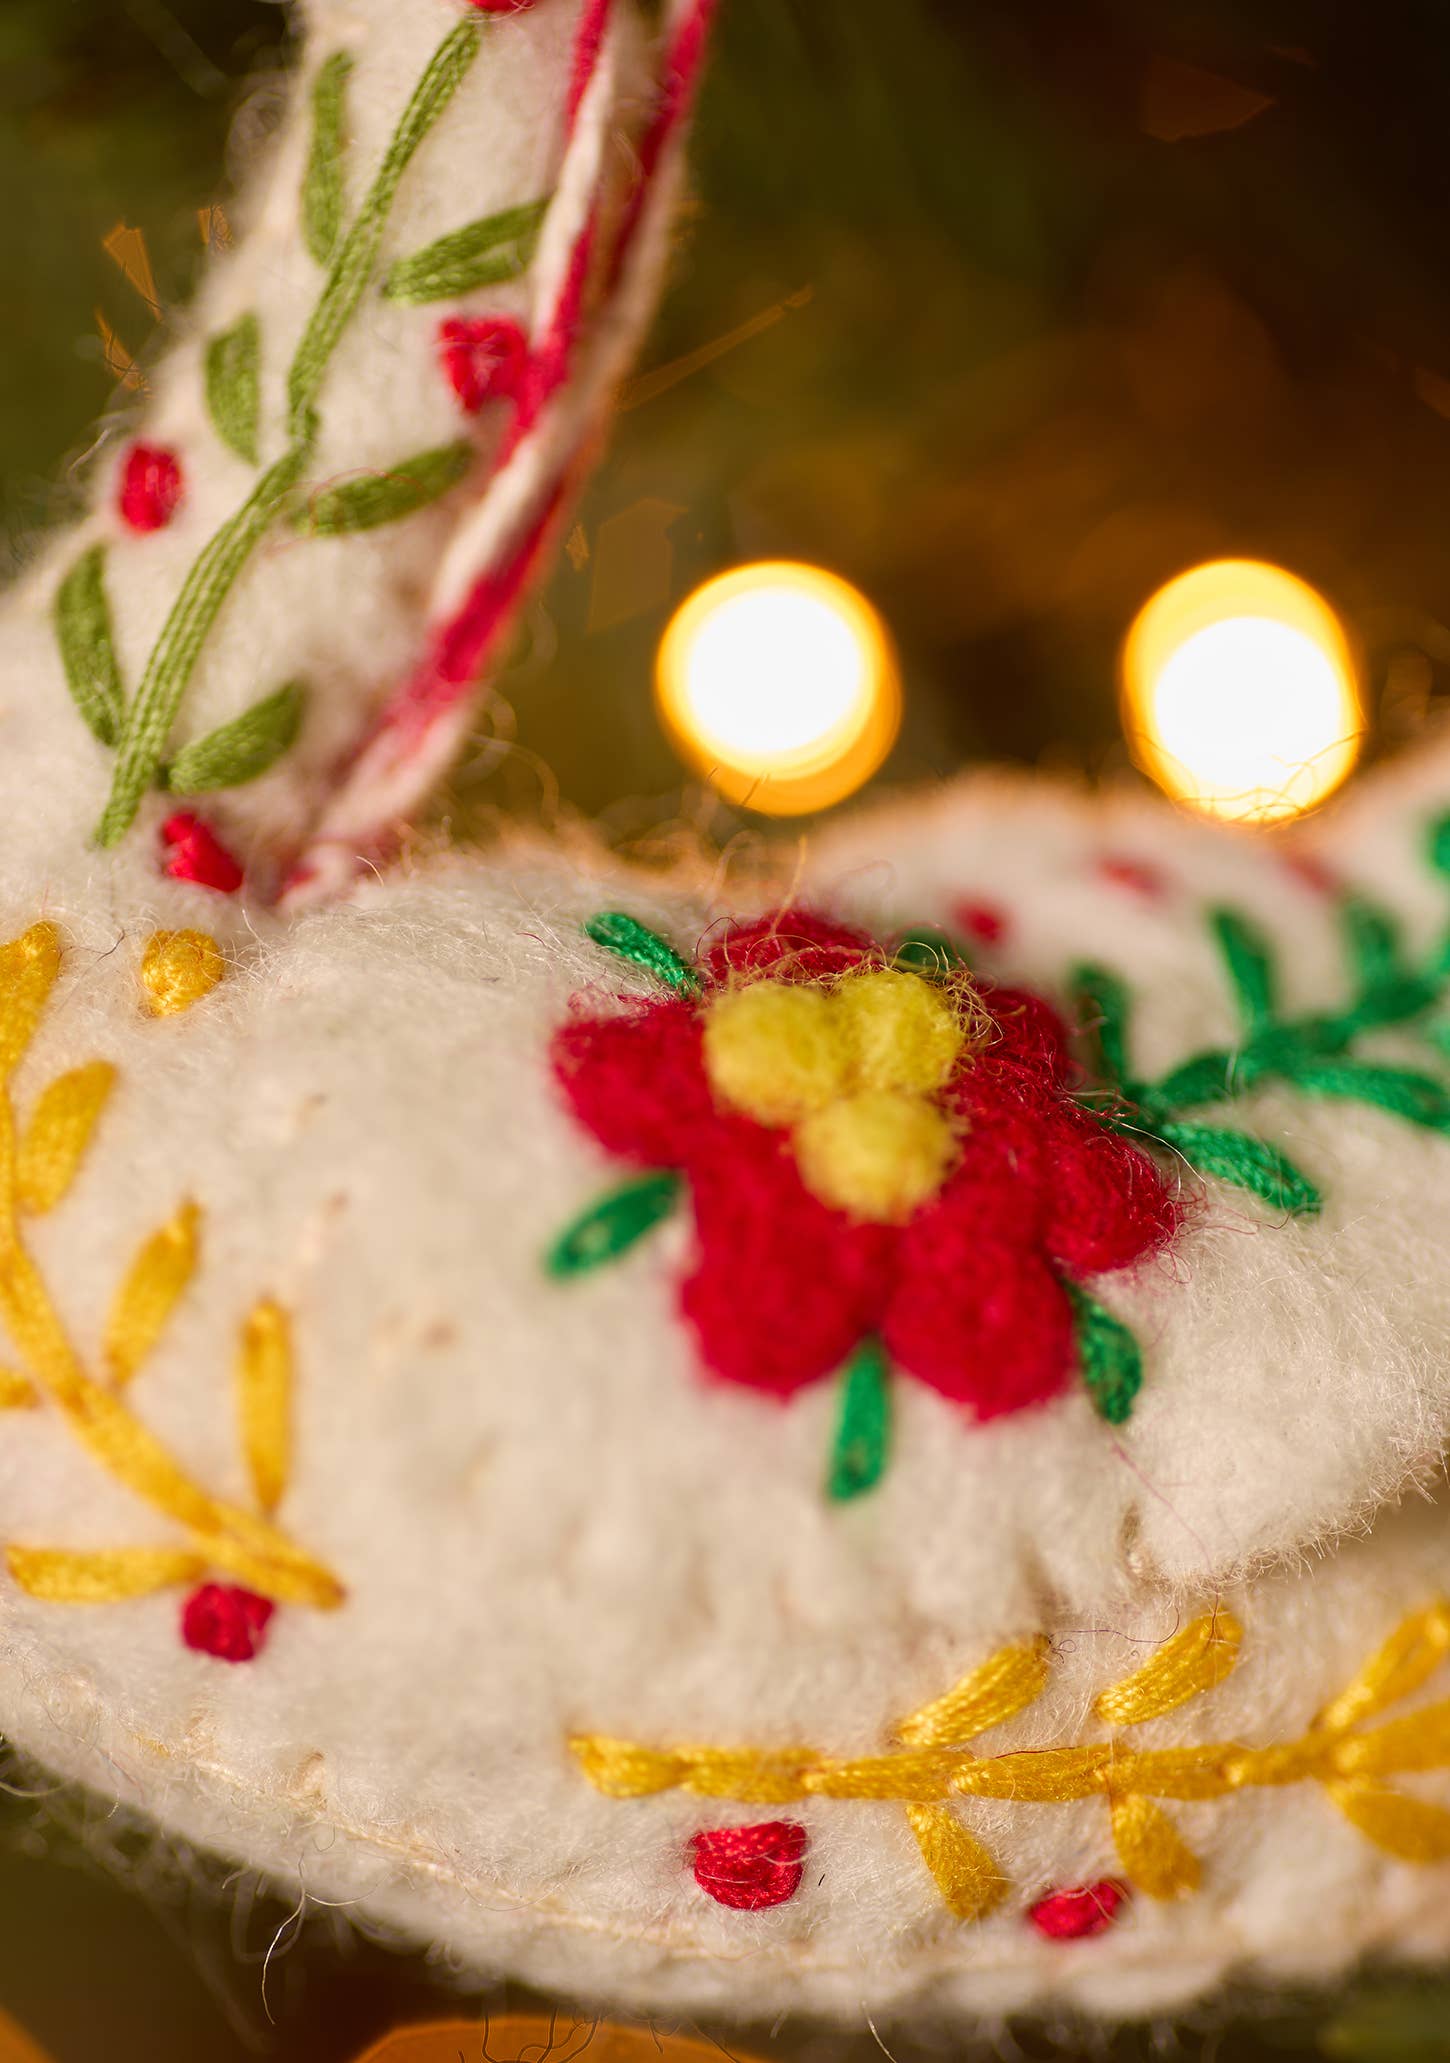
{"type": "Point", "coordinates": [222, 1620]}
{"type": "Point", "coordinates": [483, 359]}
{"type": "Point", "coordinates": [150, 487]}
{"type": "Point", "coordinates": [1030, 1034]}
{"type": "Point", "coordinates": [637, 1082]}
{"type": "Point", "coordinates": [195, 853]}
{"type": "Point", "coordinates": [978, 1316]}
{"type": "Point", "coordinates": [1108, 1203]}
{"type": "Point", "coordinates": [750, 1868]}
{"type": "Point", "coordinates": [791, 945]}
{"type": "Point", "coordinates": [784, 1288]}
{"type": "Point", "coordinates": [1074, 1915]}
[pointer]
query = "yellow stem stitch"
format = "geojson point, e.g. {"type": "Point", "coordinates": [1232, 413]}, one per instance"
{"type": "Point", "coordinates": [178, 968]}
{"type": "Point", "coordinates": [264, 1395]}
{"type": "Point", "coordinates": [245, 1544]}
{"type": "Point", "coordinates": [932, 1767]}
{"type": "Point", "coordinates": [150, 1290]}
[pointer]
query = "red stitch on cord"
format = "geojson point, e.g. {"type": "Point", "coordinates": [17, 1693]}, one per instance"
{"type": "Point", "coordinates": [227, 1622]}
{"type": "Point", "coordinates": [196, 854]}
{"type": "Point", "coordinates": [150, 487]}
{"type": "Point", "coordinates": [984, 923]}
{"type": "Point", "coordinates": [749, 1868]}
{"type": "Point", "coordinates": [483, 359]}
{"type": "Point", "coordinates": [593, 21]}
{"type": "Point", "coordinates": [1084, 1910]}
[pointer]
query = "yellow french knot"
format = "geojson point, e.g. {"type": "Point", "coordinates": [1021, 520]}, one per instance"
{"type": "Point", "coordinates": [852, 1070]}
{"type": "Point", "coordinates": [178, 968]}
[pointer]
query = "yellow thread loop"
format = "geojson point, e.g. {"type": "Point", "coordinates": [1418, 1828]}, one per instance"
{"type": "Point", "coordinates": [1198, 1659]}
{"type": "Point", "coordinates": [66, 1113]}
{"type": "Point", "coordinates": [1154, 1856]}
{"type": "Point", "coordinates": [1408, 1658]}
{"type": "Point", "coordinates": [1408, 1828]}
{"type": "Point", "coordinates": [60, 1577]}
{"type": "Point", "coordinates": [28, 968]}
{"type": "Point", "coordinates": [178, 968]}
{"type": "Point", "coordinates": [150, 1292]}
{"type": "Point", "coordinates": [996, 1691]}
{"type": "Point", "coordinates": [966, 1874]}
{"type": "Point", "coordinates": [264, 1387]}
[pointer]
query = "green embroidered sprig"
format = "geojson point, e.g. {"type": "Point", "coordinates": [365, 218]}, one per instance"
{"type": "Point", "coordinates": [1316, 1052]}
{"type": "Point", "coordinates": [232, 361]}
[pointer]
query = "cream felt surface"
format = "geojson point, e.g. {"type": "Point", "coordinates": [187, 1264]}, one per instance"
{"type": "Point", "coordinates": [514, 1511]}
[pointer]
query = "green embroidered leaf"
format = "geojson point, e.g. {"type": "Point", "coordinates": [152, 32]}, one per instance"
{"type": "Point", "coordinates": [1437, 845]}
{"type": "Point", "coordinates": [233, 392]}
{"type": "Point", "coordinates": [863, 1430]}
{"type": "Point", "coordinates": [1250, 965]}
{"type": "Point", "coordinates": [1109, 1356]}
{"type": "Point", "coordinates": [322, 181]}
{"type": "Point", "coordinates": [242, 749]}
{"type": "Point", "coordinates": [1408, 1094]}
{"type": "Point", "coordinates": [635, 942]}
{"type": "Point", "coordinates": [1103, 1000]}
{"type": "Point", "coordinates": [483, 254]}
{"type": "Point", "coordinates": [614, 1224]}
{"type": "Point", "coordinates": [1206, 1078]}
{"type": "Point", "coordinates": [87, 653]}
{"type": "Point", "coordinates": [927, 951]}
{"type": "Point", "coordinates": [1248, 1163]}
{"type": "Point", "coordinates": [1372, 938]}
{"type": "Point", "coordinates": [377, 498]}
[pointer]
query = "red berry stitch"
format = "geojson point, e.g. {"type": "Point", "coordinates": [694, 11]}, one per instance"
{"type": "Point", "coordinates": [150, 487]}
{"type": "Point", "coordinates": [1076, 1914]}
{"type": "Point", "coordinates": [195, 853]}
{"type": "Point", "coordinates": [749, 1868]}
{"type": "Point", "coordinates": [483, 359]}
{"type": "Point", "coordinates": [227, 1622]}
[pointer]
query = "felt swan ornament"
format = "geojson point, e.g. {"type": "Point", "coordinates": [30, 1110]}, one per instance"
{"type": "Point", "coordinates": [873, 1449]}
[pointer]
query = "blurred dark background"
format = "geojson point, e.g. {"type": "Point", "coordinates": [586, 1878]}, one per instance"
{"type": "Point", "coordinates": [1006, 312]}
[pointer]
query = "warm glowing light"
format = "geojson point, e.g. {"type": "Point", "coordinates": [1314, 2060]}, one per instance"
{"type": "Point", "coordinates": [1239, 692]}
{"type": "Point", "coordinates": [778, 683]}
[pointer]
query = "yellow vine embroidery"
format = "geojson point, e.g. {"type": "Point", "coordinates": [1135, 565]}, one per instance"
{"type": "Point", "coordinates": [37, 1168]}
{"type": "Point", "coordinates": [930, 1769]}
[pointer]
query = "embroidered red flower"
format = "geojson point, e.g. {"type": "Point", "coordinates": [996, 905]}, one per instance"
{"type": "Point", "coordinates": [484, 358]}
{"type": "Point", "coordinates": [887, 1168]}
{"type": "Point", "coordinates": [150, 487]}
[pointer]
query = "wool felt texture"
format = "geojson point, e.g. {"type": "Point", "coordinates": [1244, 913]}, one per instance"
{"type": "Point", "coordinates": [347, 1536]}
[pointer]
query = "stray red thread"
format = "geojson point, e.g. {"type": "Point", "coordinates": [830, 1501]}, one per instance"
{"type": "Point", "coordinates": [483, 359]}
{"type": "Point", "coordinates": [1084, 1910]}
{"type": "Point", "coordinates": [749, 1868]}
{"type": "Point", "coordinates": [227, 1622]}
{"type": "Point", "coordinates": [195, 853]}
{"type": "Point", "coordinates": [1134, 875]}
{"type": "Point", "coordinates": [983, 923]}
{"type": "Point", "coordinates": [150, 487]}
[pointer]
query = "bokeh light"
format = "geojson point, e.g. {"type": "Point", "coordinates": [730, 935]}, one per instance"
{"type": "Point", "coordinates": [1239, 692]}
{"type": "Point", "coordinates": [778, 683]}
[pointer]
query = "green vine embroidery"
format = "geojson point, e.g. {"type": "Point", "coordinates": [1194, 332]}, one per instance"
{"type": "Point", "coordinates": [1316, 1052]}
{"type": "Point", "coordinates": [246, 747]}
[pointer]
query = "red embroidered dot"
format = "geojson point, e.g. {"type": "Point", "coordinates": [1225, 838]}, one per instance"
{"type": "Point", "coordinates": [224, 1621]}
{"type": "Point", "coordinates": [1084, 1910]}
{"type": "Point", "coordinates": [1135, 875]}
{"type": "Point", "coordinates": [982, 922]}
{"type": "Point", "coordinates": [483, 358]}
{"type": "Point", "coordinates": [502, 6]}
{"type": "Point", "coordinates": [1308, 869]}
{"type": "Point", "coordinates": [150, 487]}
{"type": "Point", "coordinates": [195, 853]}
{"type": "Point", "coordinates": [749, 1868]}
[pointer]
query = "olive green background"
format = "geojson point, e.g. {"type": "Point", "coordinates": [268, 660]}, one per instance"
{"type": "Point", "coordinates": [1007, 312]}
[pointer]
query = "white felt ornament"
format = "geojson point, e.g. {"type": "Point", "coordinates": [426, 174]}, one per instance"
{"type": "Point", "coordinates": [689, 1453]}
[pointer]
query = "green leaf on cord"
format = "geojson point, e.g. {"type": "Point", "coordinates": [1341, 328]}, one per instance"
{"type": "Point", "coordinates": [242, 749]}
{"type": "Point", "coordinates": [614, 1224]}
{"type": "Point", "coordinates": [1248, 1163]}
{"type": "Point", "coordinates": [1250, 965]}
{"type": "Point", "coordinates": [233, 385]}
{"type": "Point", "coordinates": [635, 942]}
{"type": "Point", "coordinates": [322, 181]}
{"type": "Point", "coordinates": [87, 652]}
{"type": "Point", "coordinates": [372, 499]}
{"type": "Point", "coordinates": [1372, 939]}
{"type": "Point", "coordinates": [927, 951]}
{"type": "Point", "coordinates": [483, 254]}
{"type": "Point", "coordinates": [1103, 1000]}
{"type": "Point", "coordinates": [1401, 1090]}
{"type": "Point", "coordinates": [1108, 1355]}
{"type": "Point", "coordinates": [863, 1429]}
